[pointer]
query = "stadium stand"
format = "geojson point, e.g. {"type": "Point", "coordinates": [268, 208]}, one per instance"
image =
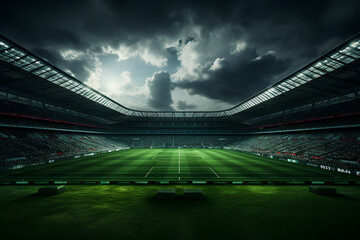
{"type": "Point", "coordinates": [339, 114]}
{"type": "Point", "coordinates": [178, 141]}
{"type": "Point", "coordinates": [335, 148]}
{"type": "Point", "coordinates": [311, 115]}
{"type": "Point", "coordinates": [24, 147]}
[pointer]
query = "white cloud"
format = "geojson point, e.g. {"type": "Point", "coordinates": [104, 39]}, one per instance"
{"type": "Point", "coordinates": [122, 90]}
{"type": "Point", "coordinates": [153, 59]}
{"type": "Point", "coordinates": [94, 79]}
{"type": "Point", "coordinates": [69, 72]}
{"type": "Point", "coordinates": [71, 54]}
{"type": "Point", "coordinates": [117, 84]}
{"type": "Point", "coordinates": [200, 53]}
{"type": "Point", "coordinates": [271, 52]}
{"type": "Point", "coordinates": [202, 103]}
{"type": "Point", "coordinates": [189, 59]}
{"type": "Point", "coordinates": [124, 53]}
{"type": "Point", "coordinates": [121, 86]}
{"type": "Point", "coordinates": [239, 46]}
{"type": "Point", "coordinates": [218, 63]}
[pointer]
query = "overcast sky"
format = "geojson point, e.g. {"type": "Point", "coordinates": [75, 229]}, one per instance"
{"type": "Point", "coordinates": [181, 55]}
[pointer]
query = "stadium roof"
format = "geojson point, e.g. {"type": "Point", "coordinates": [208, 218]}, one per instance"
{"type": "Point", "coordinates": [22, 73]}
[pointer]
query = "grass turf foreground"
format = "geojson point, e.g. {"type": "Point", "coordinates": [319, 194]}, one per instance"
{"type": "Point", "coordinates": [131, 212]}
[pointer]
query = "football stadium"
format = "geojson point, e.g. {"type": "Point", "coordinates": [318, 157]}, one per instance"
{"type": "Point", "coordinates": [281, 164]}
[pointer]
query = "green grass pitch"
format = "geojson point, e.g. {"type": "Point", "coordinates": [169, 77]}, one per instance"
{"type": "Point", "coordinates": [229, 212]}
{"type": "Point", "coordinates": [174, 165]}
{"type": "Point", "coordinates": [130, 211]}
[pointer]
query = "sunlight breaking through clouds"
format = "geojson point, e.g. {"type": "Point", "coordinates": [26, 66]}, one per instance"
{"type": "Point", "coordinates": [215, 57]}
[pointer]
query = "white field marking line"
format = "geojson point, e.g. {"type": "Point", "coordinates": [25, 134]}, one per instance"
{"type": "Point", "coordinates": [149, 171]}
{"type": "Point", "coordinates": [179, 164]}
{"type": "Point", "coordinates": [179, 161]}
{"type": "Point", "coordinates": [199, 154]}
{"type": "Point", "coordinates": [156, 155]}
{"type": "Point", "coordinates": [162, 156]}
{"type": "Point", "coordinates": [214, 172]}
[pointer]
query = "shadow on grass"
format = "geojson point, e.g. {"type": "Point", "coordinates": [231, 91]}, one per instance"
{"type": "Point", "coordinates": [34, 197]}
{"type": "Point", "coordinates": [179, 200]}
{"type": "Point", "coordinates": [341, 196]}
{"type": "Point", "coordinates": [336, 196]}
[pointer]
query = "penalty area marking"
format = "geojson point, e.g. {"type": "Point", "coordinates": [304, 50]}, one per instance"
{"type": "Point", "coordinates": [149, 171]}
{"type": "Point", "coordinates": [200, 155]}
{"type": "Point", "coordinates": [156, 155]}
{"type": "Point", "coordinates": [214, 172]}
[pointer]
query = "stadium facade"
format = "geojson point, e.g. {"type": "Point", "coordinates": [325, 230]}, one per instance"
{"type": "Point", "coordinates": [312, 116]}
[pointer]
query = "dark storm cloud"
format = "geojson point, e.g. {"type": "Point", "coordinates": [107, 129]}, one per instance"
{"type": "Point", "coordinates": [84, 23]}
{"type": "Point", "coordinates": [182, 105]}
{"type": "Point", "coordinates": [159, 87]}
{"type": "Point", "coordinates": [297, 31]}
{"type": "Point", "coordinates": [172, 56]}
{"type": "Point", "coordinates": [78, 67]}
{"type": "Point", "coordinates": [238, 77]}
